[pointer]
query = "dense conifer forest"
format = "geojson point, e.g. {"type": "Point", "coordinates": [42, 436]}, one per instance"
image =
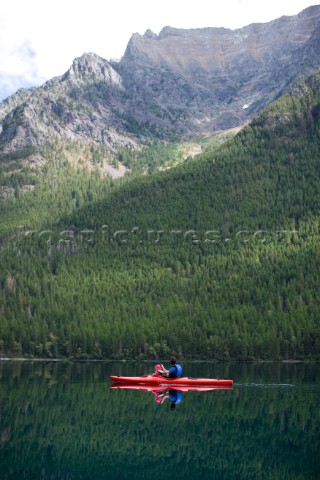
{"type": "Point", "coordinates": [217, 258]}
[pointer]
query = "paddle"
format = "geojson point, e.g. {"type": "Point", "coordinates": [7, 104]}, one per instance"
{"type": "Point", "coordinates": [156, 357]}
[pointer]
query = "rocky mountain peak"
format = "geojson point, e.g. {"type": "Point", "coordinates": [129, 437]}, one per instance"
{"type": "Point", "coordinates": [218, 77]}
{"type": "Point", "coordinates": [169, 32]}
{"type": "Point", "coordinates": [150, 34]}
{"type": "Point", "coordinates": [91, 67]}
{"type": "Point", "coordinates": [182, 81]}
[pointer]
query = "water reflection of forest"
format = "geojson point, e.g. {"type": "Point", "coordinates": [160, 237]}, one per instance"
{"type": "Point", "coordinates": [61, 421]}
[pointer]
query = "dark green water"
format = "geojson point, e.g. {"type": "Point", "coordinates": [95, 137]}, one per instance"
{"type": "Point", "coordinates": [62, 421]}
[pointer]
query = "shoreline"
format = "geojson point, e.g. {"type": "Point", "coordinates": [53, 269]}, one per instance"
{"type": "Point", "coordinates": [108, 360]}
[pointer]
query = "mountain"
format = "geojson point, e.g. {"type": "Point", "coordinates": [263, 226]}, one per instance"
{"type": "Point", "coordinates": [76, 106]}
{"type": "Point", "coordinates": [179, 82]}
{"type": "Point", "coordinates": [217, 258]}
{"type": "Point", "coordinates": [216, 78]}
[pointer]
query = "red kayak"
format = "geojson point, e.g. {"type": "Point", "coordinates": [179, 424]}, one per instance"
{"type": "Point", "coordinates": [155, 380]}
{"type": "Point", "coordinates": [166, 388]}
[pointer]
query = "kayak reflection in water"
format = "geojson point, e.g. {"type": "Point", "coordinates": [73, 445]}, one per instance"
{"type": "Point", "coordinates": [174, 396]}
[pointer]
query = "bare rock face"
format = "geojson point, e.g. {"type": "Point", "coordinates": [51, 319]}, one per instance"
{"type": "Point", "coordinates": [216, 77]}
{"type": "Point", "coordinates": [177, 82]}
{"type": "Point", "coordinates": [76, 106]}
{"type": "Point", "coordinates": [90, 66]}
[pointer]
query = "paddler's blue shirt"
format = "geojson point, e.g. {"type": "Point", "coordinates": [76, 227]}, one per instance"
{"type": "Point", "coordinates": [175, 371]}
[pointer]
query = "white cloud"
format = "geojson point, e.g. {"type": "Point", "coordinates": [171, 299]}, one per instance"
{"type": "Point", "coordinates": [39, 39]}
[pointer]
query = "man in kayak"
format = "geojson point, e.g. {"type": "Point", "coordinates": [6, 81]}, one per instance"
{"type": "Point", "coordinates": [175, 370]}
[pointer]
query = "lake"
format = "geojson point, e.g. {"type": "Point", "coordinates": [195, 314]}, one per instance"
{"type": "Point", "coordinates": [63, 421]}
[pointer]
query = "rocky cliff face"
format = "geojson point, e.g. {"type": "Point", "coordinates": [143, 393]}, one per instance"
{"type": "Point", "coordinates": [76, 106]}
{"type": "Point", "coordinates": [215, 77]}
{"type": "Point", "coordinates": [181, 81]}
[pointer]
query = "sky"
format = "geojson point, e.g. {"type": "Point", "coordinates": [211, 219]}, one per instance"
{"type": "Point", "coordinates": [39, 39]}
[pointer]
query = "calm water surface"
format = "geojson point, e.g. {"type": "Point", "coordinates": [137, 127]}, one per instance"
{"type": "Point", "coordinates": [62, 421]}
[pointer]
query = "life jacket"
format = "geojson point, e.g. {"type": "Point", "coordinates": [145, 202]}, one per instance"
{"type": "Point", "coordinates": [175, 371]}
{"type": "Point", "coordinates": [175, 396]}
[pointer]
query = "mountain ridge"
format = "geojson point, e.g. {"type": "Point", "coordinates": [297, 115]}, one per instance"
{"type": "Point", "coordinates": [178, 83]}
{"type": "Point", "coordinates": [241, 57]}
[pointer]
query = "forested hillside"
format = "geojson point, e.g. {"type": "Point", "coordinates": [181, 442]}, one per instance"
{"type": "Point", "coordinates": [217, 258]}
